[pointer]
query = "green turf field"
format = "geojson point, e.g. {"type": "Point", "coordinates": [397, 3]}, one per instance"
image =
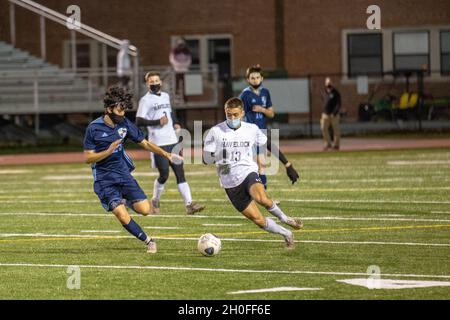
{"type": "Point", "coordinates": [389, 209]}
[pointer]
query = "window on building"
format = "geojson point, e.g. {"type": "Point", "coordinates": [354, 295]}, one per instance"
{"type": "Point", "coordinates": [210, 49]}
{"type": "Point", "coordinates": [194, 46]}
{"type": "Point", "coordinates": [445, 52]}
{"type": "Point", "coordinates": [365, 54]}
{"type": "Point", "coordinates": [219, 53]}
{"type": "Point", "coordinates": [411, 50]}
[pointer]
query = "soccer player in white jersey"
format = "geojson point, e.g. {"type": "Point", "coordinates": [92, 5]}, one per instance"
{"type": "Point", "coordinates": [230, 145]}
{"type": "Point", "coordinates": [155, 112]}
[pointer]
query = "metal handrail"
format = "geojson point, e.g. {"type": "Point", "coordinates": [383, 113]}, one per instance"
{"type": "Point", "coordinates": [80, 27]}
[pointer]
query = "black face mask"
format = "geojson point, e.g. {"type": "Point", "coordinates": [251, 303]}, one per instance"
{"type": "Point", "coordinates": [116, 119]}
{"type": "Point", "coordinates": [154, 88]}
{"type": "Point", "coordinates": [256, 86]}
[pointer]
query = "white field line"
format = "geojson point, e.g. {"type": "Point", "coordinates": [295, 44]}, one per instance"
{"type": "Point", "coordinates": [37, 265]}
{"type": "Point", "coordinates": [321, 242]}
{"type": "Point", "coordinates": [87, 182]}
{"type": "Point", "coordinates": [417, 162]}
{"type": "Point", "coordinates": [225, 200]}
{"type": "Point", "coordinates": [15, 171]}
{"type": "Point", "coordinates": [445, 212]}
{"type": "Point", "coordinates": [93, 236]}
{"type": "Point", "coordinates": [55, 214]}
{"type": "Point", "coordinates": [390, 284]}
{"type": "Point", "coordinates": [162, 228]}
{"type": "Point", "coordinates": [361, 189]}
{"type": "Point", "coordinates": [101, 231]}
{"type": "Point", "coordinates": [68, 193]}
{"type": "Point", "coordinates": [237, 216]}
{"type": "Point", "coordinates": [364, 201]}
{"type": "Point", "coordinates": [136, 174]}
{"type": "Point", "coordinates": [222, 224]}
{"type": "Point", "coordinates": [277, 289]}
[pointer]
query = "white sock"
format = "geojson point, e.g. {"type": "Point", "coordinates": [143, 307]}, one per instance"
{"type": "Point", "coordinates": [276, 211]}
{"type": "Point", "coordinates": [271, 226]}
{"type": "Point", "coordinates": [157, 190]}
{"type": "Point", "coordinates": [185, 192]}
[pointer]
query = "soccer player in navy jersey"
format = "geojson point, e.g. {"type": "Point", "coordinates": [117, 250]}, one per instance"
{"type": "Point", "coordinates": [112, 167]}
{"type": "Point", "coordinates": [258, 107]}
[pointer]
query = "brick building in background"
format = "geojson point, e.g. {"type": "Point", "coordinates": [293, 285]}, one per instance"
{"type": "Point", "coordinates": [293, 37]}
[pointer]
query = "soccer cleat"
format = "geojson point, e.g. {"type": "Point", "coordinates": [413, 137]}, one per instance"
{"type": "Point", "coordinates": [289, 240]}
{"type": "Point", "coordinates": [193, 208]}
{"type": "Point", "coordinates": [155, 207]}
{"type": "Point", "coordinates": [296, 224]}
{"type": "Point", "coordinates": [151, 246]}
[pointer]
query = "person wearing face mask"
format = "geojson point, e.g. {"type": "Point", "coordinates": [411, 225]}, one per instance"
{"type": "Point", "coordinates": [330, 116]}
{"type": "Point", "coordinates": [229, 145]}
{"type": "Point", "coordinates": [258, 107]}
{"type": "Point", "coordinates": [111, 166]}
{"type": "Point", "coordinates": [155, 112]}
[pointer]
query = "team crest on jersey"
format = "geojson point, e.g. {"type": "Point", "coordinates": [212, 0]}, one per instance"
{"type": "Point", "coordinates": [253, 101]}
{"type": "Point", "coordinates": [264, 100]}
{"type": "Point", "coordinates": [122, 132]}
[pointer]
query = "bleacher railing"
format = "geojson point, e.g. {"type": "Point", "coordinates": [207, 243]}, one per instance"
{"type": "Point", "coordinates": [64, 91]}
{"type": "Point", "coordinates": [73, 27]}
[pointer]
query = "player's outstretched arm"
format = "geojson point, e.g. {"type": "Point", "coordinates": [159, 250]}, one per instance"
{"type": "Point", "coordinates": [150, 146]}
{"type": "Point", "coordinates": [91, 156]}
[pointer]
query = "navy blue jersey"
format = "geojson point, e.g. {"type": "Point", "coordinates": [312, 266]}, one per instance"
{"type": "Point", "coordinates": [99, 136]}
{"type": "Point", "coordinates": [251, 99]}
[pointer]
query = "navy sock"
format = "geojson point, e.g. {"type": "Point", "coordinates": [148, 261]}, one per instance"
{"type": "Point", "coordinates": [264, 180]}
{"type": "Point", "coordinates": [135, 230]}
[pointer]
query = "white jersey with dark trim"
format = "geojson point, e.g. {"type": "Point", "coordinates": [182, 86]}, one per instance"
{"type": "Point", "coordinates": [154, 107]}
{"type": "Point", "coordinates": [236, 146]}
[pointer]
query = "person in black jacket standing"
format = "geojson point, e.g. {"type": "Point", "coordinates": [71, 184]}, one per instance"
{"type": "Point", "coordinates": [330, 116]}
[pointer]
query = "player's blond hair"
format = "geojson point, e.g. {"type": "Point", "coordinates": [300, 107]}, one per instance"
{"type": "Point", "coordinates": [152, 74]}
{"type": "Point", "coordinates": [234, 103]}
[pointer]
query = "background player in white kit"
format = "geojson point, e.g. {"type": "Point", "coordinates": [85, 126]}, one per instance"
{"type": "Point", "coordinates": [230, 146]}
{"type": "Point", "coordinates": [155, 112]}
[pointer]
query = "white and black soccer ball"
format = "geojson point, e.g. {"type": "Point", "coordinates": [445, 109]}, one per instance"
{"type": "Point", "coordinates": [209, 245]}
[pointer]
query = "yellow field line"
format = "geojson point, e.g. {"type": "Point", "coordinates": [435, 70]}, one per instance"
{"type": "Point", "coordinates": [366, 229]}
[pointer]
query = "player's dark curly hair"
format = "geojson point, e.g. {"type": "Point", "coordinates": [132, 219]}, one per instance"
{"type": "Point", "coordinates": [256, 68]}
{"type": "Point", "coordinates": [116, 95]}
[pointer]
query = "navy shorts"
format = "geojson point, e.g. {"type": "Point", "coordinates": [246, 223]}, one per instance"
{"type": "Point", "coordinates": [240, 196]}
{"type": "Point", "coordinates": [111, 193]}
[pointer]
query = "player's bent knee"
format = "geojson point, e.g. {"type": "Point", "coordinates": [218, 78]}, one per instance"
{"type": "Point", "coordinates": [142, 207]}
{"type": "Point", "coordinates": [257, 198]}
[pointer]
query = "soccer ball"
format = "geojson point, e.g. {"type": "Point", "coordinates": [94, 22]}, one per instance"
{"type": "Point", "coordinates": [209, 245]}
